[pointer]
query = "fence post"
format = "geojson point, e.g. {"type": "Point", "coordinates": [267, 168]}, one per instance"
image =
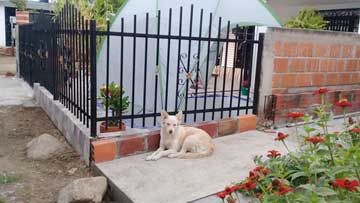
{"type": "Point", "coordinates": [258, 73]}
{"type": "Point", "coordinates": [93, 92]}
{"type": "Point", "coordinates": [54, 58]}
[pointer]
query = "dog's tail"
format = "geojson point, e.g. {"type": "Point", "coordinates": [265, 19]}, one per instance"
{"type": "Point", "coordinates": [192, 155]}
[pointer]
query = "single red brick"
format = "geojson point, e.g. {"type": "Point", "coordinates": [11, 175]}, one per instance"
{"type": "Point", "coordinates": [276, 81]}
{"type": "Point", "coordinates": [131, 145]}
{"type": "Point", "coordinates": [246, 123]}
{"type": "Point", "coordinates": [348, 51]}
{"type": "Point", "coordinates": [281, 65]}
{"type": "Point", "coordinates": [153, 142]}
{"type": "Point", "coordinates": [288, 80]}
{"type": "Point", "coordinates": [305, 49]}
{"type": "Point", "coordinates": [325, 65]}
{"type": "Point", "coordinates": [210, 127]}
{"type": "Point", "coordinates": [103, 150]}
{"type": "Point", "coordinates": [340, 65]}
{"type": "Point", "coordinates": [312, 65]}
{"type": "Point", "coordinates": [355, 78]}
{"type": "Point", "coordinates": [335, 50]}
{"type": "Point", "coordinates": [351, 65]}
{"type": "Point", "coordinates": [344, 78]}
{"type": "Point", "coordinates": [358, 51]}
{"type": "Point", "coordinates": [297, 65]}
{"type": "Point", "coordinates": [321, 50]}
{"type": "Point", "coordinates": [332, 65]}
{"type": "Point", "coordinates": [278, 51]}
{"type": "Point", "coordinates": [331, 78]}
{"type": "Point", "coordinates": [289, 49]}
{"type": "Point", "coordinates": [318, 79]}
{"type": "Point", "coordinates": [303, 80]}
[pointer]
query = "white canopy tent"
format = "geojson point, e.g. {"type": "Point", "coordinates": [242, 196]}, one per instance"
{"type": "Point", "coordinates": [238, 12]}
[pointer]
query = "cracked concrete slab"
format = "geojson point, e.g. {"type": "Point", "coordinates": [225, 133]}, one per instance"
{"type": "Point", "coordinates": [178, 180]}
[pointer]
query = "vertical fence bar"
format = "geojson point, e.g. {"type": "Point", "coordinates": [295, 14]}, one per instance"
{"type": "Point", "coordinates": [198, 65]}
{"type": "Point", "coordinates": [107, 75]}
{"type": "Point", "coordinates": [258, 72]}
{"type": "Point", "coordinates": [83, 59]}
{"type": "Point", "coordinates": [54, 58]}
{"type": "Point", "coordinates": [157, 65]}
{"type": "Point", "coordinates": [233, 73]}
{"type": "Point", "coordinates": [133, 75]}
{"type": "Point", "coordinates": [218, 61]}
{"type": "Point", "coordinates": [243, 60]}
{"type": "Point", "coordinates": [145, 67]}
{"type": "Point", "coordinates": [178, 60]}
{"type": "Point", "coordinates": [76, 67]}
{"type": "Point", "coordinates": [67, 46]}
{"type": "Point", "coordinates": [93, 79]}
{"type": "Point", "coordinates": [121, 65]}
{"type": "Point", "coordinates": [225, 68]}
{"type": "Point", "coordinates": [250, 68]}
{"type": "Point", "coordinates": [207, 66]}
{"type": "Point", "coordinates": [168, 61]}
{"type": "Point", "coordinates": [188, 70]}
{"type": "Point", "coordinates": [88, 50]}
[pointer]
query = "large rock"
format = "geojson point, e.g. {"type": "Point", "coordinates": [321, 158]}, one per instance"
{"type": "Point", "coordinates": [43, 147]}
{"type": "Point", "coordinates": [84, 190]}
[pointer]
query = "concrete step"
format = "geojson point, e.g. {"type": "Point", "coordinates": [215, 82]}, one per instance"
{"type": "Point", "coordinates": [133, 179]}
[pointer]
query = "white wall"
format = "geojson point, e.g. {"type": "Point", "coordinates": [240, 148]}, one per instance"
{"type": "Point", "coordinates": [2, 27]}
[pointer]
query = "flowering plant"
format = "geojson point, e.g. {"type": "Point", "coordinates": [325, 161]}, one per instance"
{"type": "Point", "coordinates": [326, 167]}
{"type": "Point", "coordinates": [115, 101]}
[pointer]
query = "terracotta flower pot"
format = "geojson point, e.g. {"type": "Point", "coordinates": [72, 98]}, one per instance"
{"type": "Point", "coordinates": [111, 128]}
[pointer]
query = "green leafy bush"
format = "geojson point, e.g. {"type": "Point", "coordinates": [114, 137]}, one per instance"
{"type": "Point", "coordinates": [307, 19]}
{"type": "Point", "coordinates": [326, 168]}
{"type": "Point", "coordinates": [19, 4]}
{"type": "Point", "coordinates": [116, 102]}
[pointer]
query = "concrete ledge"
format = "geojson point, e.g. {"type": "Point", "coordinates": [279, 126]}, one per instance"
{"type": "Point", "coordinates": [142, 141]}
{"type": "Point", "coordinates": [77, 135]}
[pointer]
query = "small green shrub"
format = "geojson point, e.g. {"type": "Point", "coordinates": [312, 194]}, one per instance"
{"type": "Point", "coordinates": [19, 4]}
{"type": "Point", "coordinates": [6, 179]}
{"type": "Point", "coordinates": [307, 19]}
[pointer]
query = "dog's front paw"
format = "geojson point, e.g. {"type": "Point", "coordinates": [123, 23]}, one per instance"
{"type": "Point", "coordinates": [148, 158]}
{"type": "Point", "coordinates": [173, 155]}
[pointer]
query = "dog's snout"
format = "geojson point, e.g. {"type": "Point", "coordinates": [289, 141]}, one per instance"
{"type": "Point", "coordinates": [170, 131]}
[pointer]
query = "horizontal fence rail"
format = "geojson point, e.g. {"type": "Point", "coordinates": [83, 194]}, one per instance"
{"type": "Point", "coordinates": [131, 71]}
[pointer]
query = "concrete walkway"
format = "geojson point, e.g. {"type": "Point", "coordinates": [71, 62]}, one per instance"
{"type": "Point", "coordinates": [179, 181]}
{"type": "Point", "coordinates": [7, 64]}
{"type": "Point", "coordinates": [14, 91]}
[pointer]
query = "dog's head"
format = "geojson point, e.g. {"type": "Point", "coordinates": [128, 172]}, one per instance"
{"type": "Point", "coordinates": [170, 123]}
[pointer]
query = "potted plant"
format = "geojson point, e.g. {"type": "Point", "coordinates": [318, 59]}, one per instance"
{"type": "Point", "coordinates": [117, 103]}
{"type": "Point", "coordinates": [245, 87]}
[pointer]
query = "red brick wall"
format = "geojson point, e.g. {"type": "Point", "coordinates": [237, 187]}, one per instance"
{"type": "Point", "coordinates": [307, 61]}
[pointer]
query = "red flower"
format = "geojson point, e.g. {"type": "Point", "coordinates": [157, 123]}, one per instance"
{"type": "Point", "coordinates": [283, 189]}
{"type": "Point", "coordinates": [253, 175]}
{"type": "Point", "coordinates": [315, 140]}
{"type": "Point", "coordinates": [281, 136]}
{"type": "Point", "coordinates": [222, 195]}
{"type": "Point", "coordinates": [227, 190]}
{"type": "Point", "coordinates": [248, 185]}
{"type": "Point", "coordinates": [258, 195]}
{"type": "Point", "coordinates": [321, 90]}
{"type": "Point", "coordinates": [273, 153]}
{"type": "Point", "coordinates": [295, 115]}
{"type": "Point", "coordinates": [234, 188]}
{"type": "Point", "coordinates": [355, 130]}
{"type": "Point", "coordinates": [343, 103]}
{"type": "Point", "coordinates": [346, 184]}
{"type": "Point", "coordinates": [266, 171]}
{"type": "Point", "coordinates": [259, 168]}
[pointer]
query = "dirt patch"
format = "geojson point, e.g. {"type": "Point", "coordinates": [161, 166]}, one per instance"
{"type": "Point", "coordinates": [32, 181]}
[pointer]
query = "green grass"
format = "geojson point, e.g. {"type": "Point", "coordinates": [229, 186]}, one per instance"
{"type": "Point", "coordinates": [6, 179]}
{"type": "Point", "coordinates": [2, 200]}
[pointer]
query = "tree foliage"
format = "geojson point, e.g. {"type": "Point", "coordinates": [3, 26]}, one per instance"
{"type": "Point", "coordinates": [307, 18]}
{"type": "Point", "coordinates": [19, 4]}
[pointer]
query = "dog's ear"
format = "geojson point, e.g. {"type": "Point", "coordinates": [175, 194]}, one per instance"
{"type": "Point", "coordinates": [164, 115]}
{"type": "Point", "coordinates": [179, 115]}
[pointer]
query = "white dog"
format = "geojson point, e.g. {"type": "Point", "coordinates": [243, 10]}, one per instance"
{"type": "Point", "coordinates": [181, 142]}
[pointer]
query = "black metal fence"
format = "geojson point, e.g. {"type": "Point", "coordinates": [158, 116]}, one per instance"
{"type": "Point", "coordinates": [208, 75]}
